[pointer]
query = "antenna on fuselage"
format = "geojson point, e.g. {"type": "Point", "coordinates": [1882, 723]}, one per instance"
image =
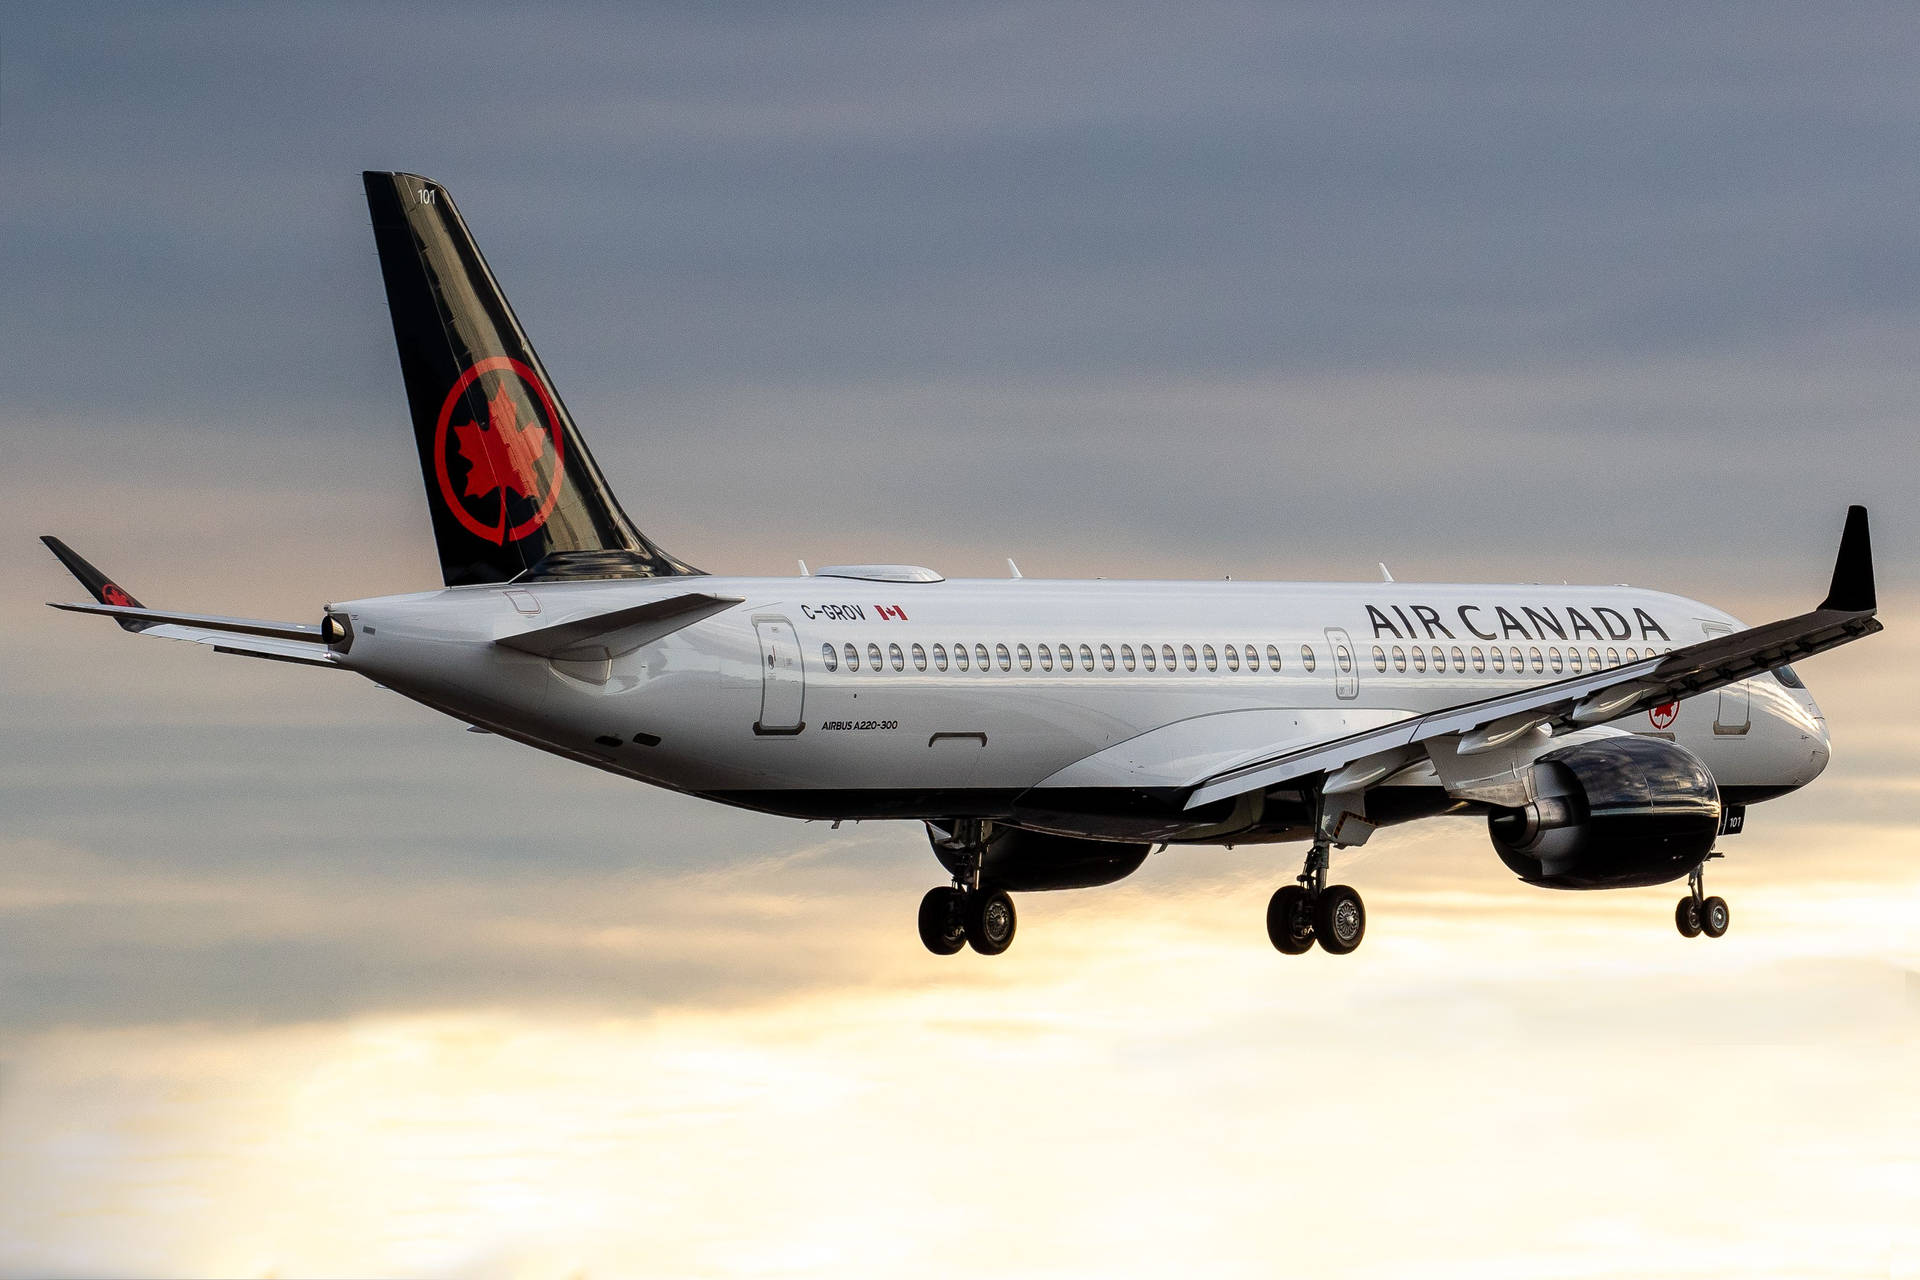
{"type": "Point", "coordinates": [804, 571]}
{"type": "Point", "coordinates": [1385, 576]}
{"type": "Point", "coordinates": [1014, 569]}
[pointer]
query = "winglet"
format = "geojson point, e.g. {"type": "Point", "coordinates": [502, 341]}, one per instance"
{"type": "Point", "coordinates": [1852, 588]}
{"type": "Point", "coordinates": [103, 588]}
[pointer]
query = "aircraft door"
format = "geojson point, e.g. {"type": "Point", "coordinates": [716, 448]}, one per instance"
{"type": "Point", "coordinates": [1734, 715]}
{"type": "Point", "coordinates": [783, 681]}
{"type": "Point", "coordinates": [1346, 667]}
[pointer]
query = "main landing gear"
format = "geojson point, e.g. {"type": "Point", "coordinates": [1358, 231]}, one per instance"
{"type": "Point", "coordinates": [1696, 913]}
{"type": "Point", "coordinates": [1314, 911]}
{"type": "Point", "coordinates": [964, 913]}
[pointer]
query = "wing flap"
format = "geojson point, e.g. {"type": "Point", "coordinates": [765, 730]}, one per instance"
{"type": "Point", "coordinates": [155, 619]}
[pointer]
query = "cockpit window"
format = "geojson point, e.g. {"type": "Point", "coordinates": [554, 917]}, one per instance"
{"type": "Point", "coordinates": [1788, 677]}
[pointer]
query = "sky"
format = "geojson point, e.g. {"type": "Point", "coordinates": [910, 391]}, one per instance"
{"type": "Point", "coordinates": [297, 978]}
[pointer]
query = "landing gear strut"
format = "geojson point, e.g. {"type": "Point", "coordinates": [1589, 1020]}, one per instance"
{"type": "Point", "coordinates": [964, 913]}
{"type": "Point", "coordinates": [1312, 910]}
{"type": "Point", "coordinates": [1697, 913]}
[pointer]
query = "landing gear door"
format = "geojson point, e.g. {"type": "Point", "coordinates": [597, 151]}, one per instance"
{"type": "Point", "coordinates": [1346, 667]}
{"type": "Point", "coordinates": [1734, 715]}
{"type": "Point", "coordinates": [783, 682]}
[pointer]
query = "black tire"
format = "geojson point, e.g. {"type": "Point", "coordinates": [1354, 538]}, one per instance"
{"type": "Point", "coordinates": [943, 920]}
{"type": "Point", "coordinates": [1339, 919]}
{"type": "Point", "coordinates": [990, 921]}
{"type": "Point", "coordinates": [1714, 917]}
{"type": "Point", "coordinates": [1686, 917]}
{"type": "Point", "coordinates": [1290, 920]}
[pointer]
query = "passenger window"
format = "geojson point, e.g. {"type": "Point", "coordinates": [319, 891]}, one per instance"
{"type": "Point", "coordinates": [1613, 657]}
{"type": "Point", "coordinates": [1146, 656]}
{"type": "Point", "coordinates": [829, 656]}
{"type": "Point", "coordinates": [1192, 658]}
{"type": "Point", "coordinates": [1253, 658]}
{"type": "Point", "coordinates": [1379, 658]}
{"type": "Point", "coordinates": [960, 657]}
{"type": "Point", "coordinates": [1499, 661]}
{"type": "Point", "coordinates": [1106, 656]}
{"type": "Point", "coordinates": [1419, 659]}
{"type": "Point", "coordinates": [1233, 658]}
{"type": "Point", "coordinates": [1066, 657]}
{"type": "Point", "coordinates": [1519, 663]}
{"type": "Point", "coordinates": [1167, 658]}
{"type": "Point", "coordinates": [1208, 656]}
{"type": "Point", "coordinates": [1553, 659]}
{"type": "Point", "coordinates": [1633, 655]}
{"type": "Point", "coordinates": [1593, 659]}
{"type": "Point", "coordinates": [1538, 659]}
{"type": "Point", "coordinates": [1046, 658]}
{"type": "Point", "coordinates": [1399, 658]}
{"type": "Point", "coordinates": [939, 657]}
{"type": "Point", "coordinates": [1086, 657]}
{"type": "Point", "coordinates": [1006, 659]}
{"type": "Point", "coordinates": [919, 658]}
{"type": "Point", "coordinates": [1307, 659]}
{"type": "Point", "coordinates": [898, 658]}
{"type": "Point", "coordinates": [1026, 658]}
{"type": "Point", "coordinates": [853, 658]}
{"type": "Point", "coordinates": [1479, 659]}
{"type": "Point", "coordinates": [1459, 660]}
{"type": "Point", "coordinates": [1439, 659]}
{"type": "Point", "coordinates": [1273, 657]}
{"type": "Point", "coordinates": [873, 656]}
{"type": "Point", "coordinates": [981, 659]}
{"type": "Point", "coordinates": [1126, 656]}
{"type": "Point", "coordinates": [1573, 660]}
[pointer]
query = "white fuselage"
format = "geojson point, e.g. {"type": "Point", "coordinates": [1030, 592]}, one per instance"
{"type": "Point", "coordinates": [843, 697]}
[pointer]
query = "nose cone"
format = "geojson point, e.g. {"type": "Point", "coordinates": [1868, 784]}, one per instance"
{"type": "Point", "coordinates": [1820, 747]}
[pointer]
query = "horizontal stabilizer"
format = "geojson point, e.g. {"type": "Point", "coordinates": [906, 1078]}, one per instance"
{"type": "Point", "coordinates": [621, 630]}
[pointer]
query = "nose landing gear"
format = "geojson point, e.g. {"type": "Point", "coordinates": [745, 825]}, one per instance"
{"type": "Point", "coordinates": [1697, 913]}
{"type": "Point", "coordinates": [964, 913]}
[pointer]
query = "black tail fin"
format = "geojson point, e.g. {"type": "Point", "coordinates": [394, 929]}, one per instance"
{"type": "Point", "coordinates": [513, 490]}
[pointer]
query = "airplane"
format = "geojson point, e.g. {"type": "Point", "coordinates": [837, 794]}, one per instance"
{"type": "Point", "coordinates": [1048, 734]}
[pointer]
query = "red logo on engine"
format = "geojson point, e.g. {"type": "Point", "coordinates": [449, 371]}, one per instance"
{"type": "Point", "coordinates": [1664, 714]}
{"type": "Point", "coordinates": [510, 464]}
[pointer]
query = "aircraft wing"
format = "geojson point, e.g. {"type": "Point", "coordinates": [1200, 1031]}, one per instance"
{"type": "Point", "coordinates": [279, 641]}
{"type": "Point", "coordinates": [1506, 721]}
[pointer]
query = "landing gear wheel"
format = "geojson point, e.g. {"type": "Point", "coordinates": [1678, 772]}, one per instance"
{"type": "Point", "coordinates": [990, 921]}
{"type": "Point", "coordinates": [1686, 917]}
{"type": "Point", "coordinates": [943, 921]}
{"type": "Point", "coordinates": [1339, 919]}
{"type": "Point", "coordinates": [1714, 917]}
{"type": "Point", "coordinates": [1290, 920]}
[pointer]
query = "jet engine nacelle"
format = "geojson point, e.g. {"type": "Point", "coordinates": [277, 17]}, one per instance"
{"type": "Point", "coordinates": [1024, 861]}
{"type": "Point", "coordinates": [1613, 814]}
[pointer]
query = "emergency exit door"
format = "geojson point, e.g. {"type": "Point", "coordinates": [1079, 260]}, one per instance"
{"type": "Point", "coordinates": [1346, 667]}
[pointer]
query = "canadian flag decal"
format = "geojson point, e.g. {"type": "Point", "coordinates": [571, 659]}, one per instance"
{"type": "Point", "coordinates": [892, 611]}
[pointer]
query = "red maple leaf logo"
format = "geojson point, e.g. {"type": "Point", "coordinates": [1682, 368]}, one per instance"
{"type": "Point", "coordinates": [501, 454]}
